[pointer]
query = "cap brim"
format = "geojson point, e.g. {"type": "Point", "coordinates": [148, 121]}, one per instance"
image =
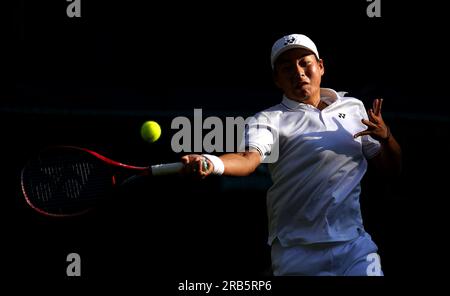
{"type": "Point", "coordinates": [287, 47]}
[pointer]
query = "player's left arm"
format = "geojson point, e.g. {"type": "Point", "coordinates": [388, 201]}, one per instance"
{"type": "Point", "coordinates": [389, 157]}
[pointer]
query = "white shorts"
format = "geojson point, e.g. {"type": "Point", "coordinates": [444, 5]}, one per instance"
{"type": "Point", "coordinates": [357, 257]}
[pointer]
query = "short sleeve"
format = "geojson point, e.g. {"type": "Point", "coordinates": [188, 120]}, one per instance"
{"type": "Point", "coordinates": [260, 134]}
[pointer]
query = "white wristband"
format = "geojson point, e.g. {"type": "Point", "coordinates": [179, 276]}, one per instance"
{"type": "Point", "coordinates": [219, 167]}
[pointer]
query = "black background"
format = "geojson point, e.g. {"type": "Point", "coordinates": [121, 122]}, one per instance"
{"type": "Point", "coordinates": [92, 81]}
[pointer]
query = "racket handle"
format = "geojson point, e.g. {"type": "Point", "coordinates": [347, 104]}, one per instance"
{"type": "Point", "coordinates": [166, 168]}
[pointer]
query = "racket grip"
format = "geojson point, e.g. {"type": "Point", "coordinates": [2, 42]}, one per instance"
{"type": "Point", "coordinates": [166, 168]}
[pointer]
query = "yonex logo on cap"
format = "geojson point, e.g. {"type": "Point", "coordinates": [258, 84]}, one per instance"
{"type": "Point", "coordinates": [341, 115]}
{"type": "Point", "coordinates": [289, 40]}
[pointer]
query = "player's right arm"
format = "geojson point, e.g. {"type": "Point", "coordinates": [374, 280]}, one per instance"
{"type": "Point", "coordinates": [241, 164]}
{"type": "Point", "coordinates": [235, 164]}
{"type": "Point", "coordinates": [261, 133]}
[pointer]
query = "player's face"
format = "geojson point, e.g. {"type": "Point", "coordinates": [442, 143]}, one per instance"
{"type": "Point", "coordinates": [298, 73]}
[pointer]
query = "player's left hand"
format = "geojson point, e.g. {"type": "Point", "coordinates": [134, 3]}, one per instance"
{"type": "Point", "coordinates": [376, 128]}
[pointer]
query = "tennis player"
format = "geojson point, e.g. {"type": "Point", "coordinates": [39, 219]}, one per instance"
{"type": "Point", "coordinates": [325, 142]}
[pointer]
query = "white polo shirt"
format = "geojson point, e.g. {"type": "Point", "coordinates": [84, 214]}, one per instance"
{"type": "Point", "coordinates": [316, 179]}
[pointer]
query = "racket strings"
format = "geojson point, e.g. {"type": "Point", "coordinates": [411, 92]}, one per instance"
{"type": "Point", "coordinates": [66, 181]}
{"type": "Point", "coordinates": [72, 187]}
{"type": "Point", "coordinates": [56, 182]}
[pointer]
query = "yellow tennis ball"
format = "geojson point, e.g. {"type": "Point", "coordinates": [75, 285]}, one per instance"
{"type": "Point", "coordinates": [150, 131]}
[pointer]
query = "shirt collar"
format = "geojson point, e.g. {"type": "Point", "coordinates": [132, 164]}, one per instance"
{"type": "Point", "coordinates": [327, 95]}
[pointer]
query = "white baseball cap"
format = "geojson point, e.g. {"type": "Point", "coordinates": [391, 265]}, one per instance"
{"type": "Point", "coordinates": [292, 41]}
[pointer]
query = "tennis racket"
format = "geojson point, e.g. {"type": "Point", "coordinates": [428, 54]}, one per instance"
{"type": "Point", "coordinates": [66, 181]}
